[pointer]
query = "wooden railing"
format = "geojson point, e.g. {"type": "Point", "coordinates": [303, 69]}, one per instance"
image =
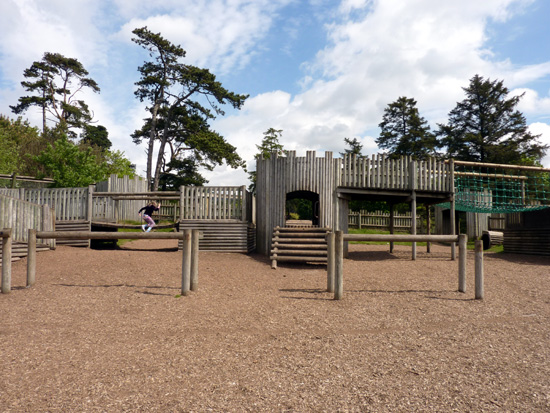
{"type": "Point", "coordinates": [380, 219]}
{"type": "Point", "coordinates": [69, 203]}
{"type": "Point", "coordinates": [21, 216]}
{"type": "Point", "coordinates": [224, 203]}
{"type": "Point", "coordinates": [381, 172]}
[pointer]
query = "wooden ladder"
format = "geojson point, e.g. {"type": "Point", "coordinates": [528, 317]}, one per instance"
{"type": "Point", "coordinates": [305, 245]}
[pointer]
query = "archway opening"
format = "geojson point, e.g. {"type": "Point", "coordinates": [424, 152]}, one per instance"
{"type": "Point", "coordinates": [302, 206]}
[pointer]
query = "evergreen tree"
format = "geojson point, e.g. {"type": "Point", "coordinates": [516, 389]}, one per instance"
{"type": "Point", "coordinates": [55, 82]}
{"type": "Point", "coordinates": [176, 94]}
{"type": "Point", "coordinates": [355, 147]}
{"type": "Point", "coordinates": [405, 132]}
{"type": "Point", "coordinates": [270, 144]}
{"type": "Point", "coordinates": [487, 127]}
{"type": "Point", "coordinates": [96, 135]}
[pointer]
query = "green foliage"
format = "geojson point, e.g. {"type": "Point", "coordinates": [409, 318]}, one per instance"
{"type": "Point", "coordinates": [19, 142]}
{"type": "Point", "coordinates": [182, 100]}
{"type": "Point", "coordinates": [355, 147]}
{"type": "Point", "coordinates": [117, 163]}
{"type": "Point", "coordinates": [405, 132]}
{"type": "Point", "coordinates": [54, 83]}
{"type": "Point", "coordinates": [71, 166]}
{"type": "Point", "coordinates": [270, 144]}
{"type": "Point", "coordinates": [299, 208]}
{"type": "Point", "coordinates": [96, 136]}
{"type": "Point", "coordinates": [487, 127]}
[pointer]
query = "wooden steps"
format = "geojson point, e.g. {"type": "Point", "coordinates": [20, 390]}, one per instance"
{"type": "Point", "coordinates": [74, 225]}
{"type": "Point", "coordinates": [19, 250]}
{"type": "Point", "coordinates": [293, 244]}
{"type": "Point", "coordinates": [223, 235]}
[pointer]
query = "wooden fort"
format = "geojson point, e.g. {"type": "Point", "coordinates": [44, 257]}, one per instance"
{"type": "Point", "coordinates": [330, 183]}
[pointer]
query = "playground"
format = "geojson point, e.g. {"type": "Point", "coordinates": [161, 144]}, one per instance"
{"type": "Point", "coordinates": [106, 330]}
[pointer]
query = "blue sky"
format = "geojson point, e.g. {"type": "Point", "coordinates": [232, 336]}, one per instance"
{"type": "Point", "coordinates": [320, 70]}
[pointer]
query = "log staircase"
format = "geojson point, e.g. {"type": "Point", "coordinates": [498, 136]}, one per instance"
{"type": "Point", "coordinates": [19, 250]}
{"type": "Point", "coordinates": [305, 245]}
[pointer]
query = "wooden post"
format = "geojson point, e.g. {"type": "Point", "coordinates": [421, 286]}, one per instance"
{"type": "Point", "coordinates": [31, 258]}
{"type": "Point", "coordinates": [392, 225]}
{"type": "Point", "coordinates": [330, 262]}
{"type": "Point", "coordinates": [6, 260]}
{"type": "Point", "coordinates": [453, 208]}
{"type": "Point", "coordinates": [428, 227]}
{"type": "Point", "coordinates": [338, 265]}
{"type": "Point", "coordinates": [462, 253]}
{"type": "Point", "coordinates": [186, 263]}
{"type": "Point", "coordinates": [195, 260]}
{"type": "Point", "coordinates": [479, 294]}
{"type": "Point", "coordinates": [413, 223]}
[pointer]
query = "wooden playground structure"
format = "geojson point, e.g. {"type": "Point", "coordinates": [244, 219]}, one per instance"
{"type": "Point", "coordinates": [231, 219]}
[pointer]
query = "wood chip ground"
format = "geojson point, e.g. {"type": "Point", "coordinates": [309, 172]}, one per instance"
{"type": "Point", "coordinates": [104, 331]}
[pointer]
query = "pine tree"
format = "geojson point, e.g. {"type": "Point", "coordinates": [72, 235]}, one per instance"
{"type": "Point", "coordinates": [405, 132]}
{"type": "Point", "coordinates": [487, 127]}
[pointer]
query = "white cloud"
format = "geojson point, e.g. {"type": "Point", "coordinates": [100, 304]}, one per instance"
{"type": "Point", "coordinates": [542, 129]}
{"type": "Point", "coordinates": [220, 35]}
{"type": "Point", "coordinates": [375, 51]}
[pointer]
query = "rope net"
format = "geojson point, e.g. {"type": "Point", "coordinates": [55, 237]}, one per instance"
{"type": "Point", "coordinates": [488, 189]}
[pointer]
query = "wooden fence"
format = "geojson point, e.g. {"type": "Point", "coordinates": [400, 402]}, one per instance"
{"type": "Point", "coordinates": [215, 203]}
{"type": "Point", "coordinates": [380, 219]}
{"type": "Point", "coordinates": [110, 209]}
{"type": "Point", "coordinates": [403, 173]}
{"type": "Point", "coordinates": [21, 216]}
{"type": "Point", "coordinates": [69, 203]}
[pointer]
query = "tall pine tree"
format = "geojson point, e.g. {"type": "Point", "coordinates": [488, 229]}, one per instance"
{"type": "Point", "coordinates": [487, 127]}
{"type": "Point", "coordinates": [405, 132]}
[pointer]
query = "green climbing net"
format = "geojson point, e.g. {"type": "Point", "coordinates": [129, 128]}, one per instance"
{"type": "Point", "coordinates": [488, 189]}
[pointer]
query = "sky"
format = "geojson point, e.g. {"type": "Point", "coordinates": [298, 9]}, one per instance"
{"type": "Point", "coordinates": [319, 70]}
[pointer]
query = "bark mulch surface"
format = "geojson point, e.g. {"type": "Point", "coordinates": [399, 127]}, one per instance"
{"type": "Point", "coordinates": [105, 331]}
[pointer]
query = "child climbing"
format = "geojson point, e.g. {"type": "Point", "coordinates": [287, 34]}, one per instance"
{"type": "Point", "coordinates": [147, 212]}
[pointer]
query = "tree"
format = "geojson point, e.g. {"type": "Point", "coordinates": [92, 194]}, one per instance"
{"type": "Point", "coordinates": [54, 83]}
{"type": "Point", "coordinates": [355, 147]}
{"type": "Point", "coordinates": [70, 166]}
{"type": "Point", "coordinates": [404, 131]}
{"type": "Point", "coordinates": [116, 163]}
{"type": "Point", "coordinates": [487, 127]}
{"type": "Point", "coordinates": [96, 135]}
{"type": "Point", "coordinates": [19, 142]}
{"type": "Point", "coordinates": [182, 99]}
{"type": "Point", "coordinates": [269, 145]}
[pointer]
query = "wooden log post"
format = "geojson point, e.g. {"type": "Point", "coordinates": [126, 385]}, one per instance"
{"type": "Point", "coordinates": [195, 235]}
{"type": "Point", "coordinates": [462, 253]}
{"type": "Point", "coordinates": [5, 234]}
{"type": "Point", "coordinates": [453, 208]}
{"type": "Point", "coordinates": [338, 265]}
{"type": "Point", "coordinates": [186, 263]}
{"type": "Point", "coordinates": [479, 293]}
{"type": "Point", "coordinates": [413, 185]}
{"type": "Point", "coordinates": [330, 262]}
{"type": "Point", "coordinates": [31, 257]}
{"type": "Point", "coordinates": [413, 223]}
{"type": "Point", "coordinates": [392, 225]}
{"type": "Point", "coordinates": [428, 227]}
